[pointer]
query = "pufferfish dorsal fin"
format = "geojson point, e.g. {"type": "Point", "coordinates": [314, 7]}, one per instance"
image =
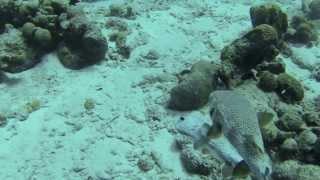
{"type": "Point", "coordinates": [250, 143]}
{"type": "Point", "coordinates": [264, 118]}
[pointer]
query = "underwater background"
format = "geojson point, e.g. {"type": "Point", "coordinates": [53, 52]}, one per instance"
{"type": "Point", "coordinates": [159, 89]}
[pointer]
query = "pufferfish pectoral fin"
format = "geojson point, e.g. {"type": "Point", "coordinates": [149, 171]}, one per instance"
{"type": "Point", "coordinates": [215, 131]}
{"type": "Point", "coordinates": [264, 118]}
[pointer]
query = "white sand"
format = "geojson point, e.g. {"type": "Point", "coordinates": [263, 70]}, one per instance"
{"type": "Point", "coordinates": [63, 141]}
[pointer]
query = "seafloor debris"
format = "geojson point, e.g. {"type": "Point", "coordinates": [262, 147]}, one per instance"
{"type": "Point", "coordinates": [117, 16]}
{"type": "Point", "coordinates": [293, 170]}
{"type": "Point", "coordinates": [33, 105]}
{"type": "Point", "coordinates": [198, 163]}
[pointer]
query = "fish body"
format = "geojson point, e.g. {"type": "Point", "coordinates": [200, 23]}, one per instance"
{"type": "Point", "coordinates": [233, 115]}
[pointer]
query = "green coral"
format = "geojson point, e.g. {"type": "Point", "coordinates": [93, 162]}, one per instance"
{"type": "Point", "coordinates": [28, 30]}
{"type": "Point", "coordinates": [253, 48]}
{"type": "Point", "coordinates": [40, 38]}
{"type": "Point", "coordinates": [270, 14]}
{"type": "Point", "coordinates": [43, 37]}
{"type": "Point", "coordinates": [315, 9]}
{"type": "Point", "coordinates": [291, 121]}
{"type": "Point", "coordinates": [268, 81]}
{"type": "Point", "coordinates": [306, 140]}
{"type": "Point", "coordinates": [263, 35]}
{"type": "Point", "coordinates": [289, 88]}
{"type": "Point", "coordinates": [304, 30]}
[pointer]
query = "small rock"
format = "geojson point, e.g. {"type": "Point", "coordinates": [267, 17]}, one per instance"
{"type": "Point", "coordinates": [152, 55]}
{"type": "Point", "coordinates": [290, 145]}
{"type": "Point", "coordinates": [89, 104]}
{"type": "Point", "coordinates": [311, 118]}
{"type": "Point", "coordinates": [306, 140]}
{"type": "Point", "coordinates": [291, 121]}
{"type": "Point", "coordinates": [145, 163]}
{"type": "Point", "coordinates": [3, 120]}
{"type": "Point", "coordinates": [268, 81]}
{"type": "Point", "coordinates": [196, 163]}
{"type": "Point", "coordinates": [289, 149]}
